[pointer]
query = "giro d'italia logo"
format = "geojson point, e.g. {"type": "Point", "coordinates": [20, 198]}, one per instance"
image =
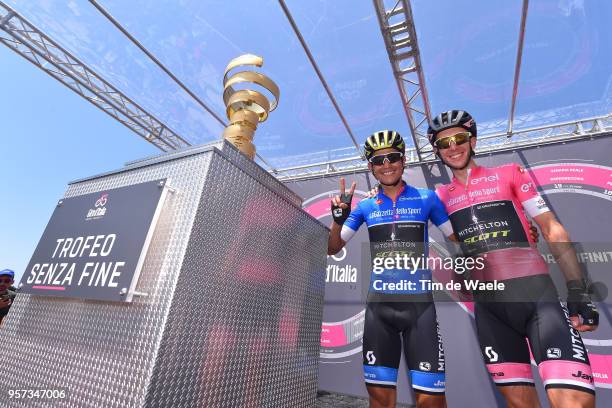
{"type": "Point", "coordinates": [101, 202]}
{"type": "Point", "coordinates": [99, 209]}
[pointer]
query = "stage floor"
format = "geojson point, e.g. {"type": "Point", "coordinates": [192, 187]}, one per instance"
{"type": "Point", "coordinates": [330, 400]}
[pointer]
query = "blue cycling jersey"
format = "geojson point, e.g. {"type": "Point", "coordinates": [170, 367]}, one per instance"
{"type": "Point", "coordinates": [399, 229]}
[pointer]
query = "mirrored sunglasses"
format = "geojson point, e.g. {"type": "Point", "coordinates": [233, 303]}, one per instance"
{"type": "Point", "coordinates": [457, 138]}
{"type": "Point", "coordinates": [392, 157]}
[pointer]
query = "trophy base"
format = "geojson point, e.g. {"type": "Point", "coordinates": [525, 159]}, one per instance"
{"type": "Point", "coordinates": [230, 308]}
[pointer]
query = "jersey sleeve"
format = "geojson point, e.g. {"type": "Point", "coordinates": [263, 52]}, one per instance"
{"type": "Point", "coordinates": [352, 223]}
{"type": "Point", "coordinates": [439, 216]}
{"type": "Point", "coordinates": [525, 190]}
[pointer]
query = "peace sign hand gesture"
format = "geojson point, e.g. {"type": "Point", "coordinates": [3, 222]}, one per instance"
{"type": "Point", "coordinates": [341, 204]}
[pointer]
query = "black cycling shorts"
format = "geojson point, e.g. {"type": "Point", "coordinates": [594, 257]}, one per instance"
{"type": "Point", "coordinates": [415, 322]}
{"type": "Point", "coordinates": [526, 315]}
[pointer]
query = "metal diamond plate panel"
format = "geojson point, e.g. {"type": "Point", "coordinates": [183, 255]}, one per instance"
{"type": "Point", "coordinates": [240, 160]}
{"type": "Point", "coordinates": [234, 283]}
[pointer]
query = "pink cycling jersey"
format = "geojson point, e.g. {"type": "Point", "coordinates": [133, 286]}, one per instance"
{"type": "Point", "coordinates": [488, 217]}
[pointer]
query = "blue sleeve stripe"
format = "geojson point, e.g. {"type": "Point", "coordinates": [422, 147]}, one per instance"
{"type": "Point", "coordinates": [355, 218]}
{"type": "Point", "coordinates": [380, 374]}
{"type": "Point", "coordinates": [433, 382]}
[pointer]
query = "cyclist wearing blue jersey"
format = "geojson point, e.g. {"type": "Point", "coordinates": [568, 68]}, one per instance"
{"type": "Point", "coordinates": [398, 307]}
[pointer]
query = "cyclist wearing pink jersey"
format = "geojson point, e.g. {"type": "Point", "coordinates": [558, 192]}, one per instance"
{"type": "Point", "coordinates": [488, 209]}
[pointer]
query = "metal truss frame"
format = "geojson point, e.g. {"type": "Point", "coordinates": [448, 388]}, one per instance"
{"type": "Point", "coordinates": [521, 138]}
{"type": "Point", "coordinates": [26, 40]}
{"type": "Point", "coordinates": [398, 31]}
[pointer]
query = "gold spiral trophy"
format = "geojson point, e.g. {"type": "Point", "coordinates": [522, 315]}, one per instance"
{"type": "Point", "coordinates": [246, 108]}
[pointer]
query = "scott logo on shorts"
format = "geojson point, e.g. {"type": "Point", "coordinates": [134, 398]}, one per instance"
{"type": "Point", "coordinates": [553, 352]}
{"type": "Point", "coordinates": [370, 357]}
{"type": "Point", "coordinates": [424, 366]}
{"type": "Point", "coordinates": [491, 354]}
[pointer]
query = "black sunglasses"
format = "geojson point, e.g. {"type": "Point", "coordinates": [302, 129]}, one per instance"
{"type": "Point", "coordinates": [390, 157]}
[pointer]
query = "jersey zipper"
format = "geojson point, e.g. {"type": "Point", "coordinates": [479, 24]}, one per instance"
{"type": "Point", "coordinates": [394, 218]}
{"type": "Point", "coordinates": [472, 211]}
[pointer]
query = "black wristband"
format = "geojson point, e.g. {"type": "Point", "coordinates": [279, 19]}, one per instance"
{"type": "Point", "coordinates": [577, 284]}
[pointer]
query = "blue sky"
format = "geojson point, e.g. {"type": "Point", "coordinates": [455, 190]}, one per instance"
{"type": "Point", "coordinates": [49, 136]}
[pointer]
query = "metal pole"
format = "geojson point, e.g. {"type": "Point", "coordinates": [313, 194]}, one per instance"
{"type": "Point", "coordinates": [320, 75]}
{"type": "Point", "coordinates": [6, 18]}
{"type": "Point", "coordinates": [156, 61]}
{"type": "Point", "coordinates": [517, 67]}
{"type": "Point", "coordinates": [166, 70]}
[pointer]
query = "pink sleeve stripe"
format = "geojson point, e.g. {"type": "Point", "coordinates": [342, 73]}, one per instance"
{"type": "Point", "coordinates": [566, 372]}
{"type": "Point", "coordinates": [510, 372]}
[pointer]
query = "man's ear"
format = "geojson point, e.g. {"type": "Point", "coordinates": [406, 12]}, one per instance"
{"type": "Point", "coordinates": [369, 166]}
{"type": "Point", "coordinates": [473, 142]}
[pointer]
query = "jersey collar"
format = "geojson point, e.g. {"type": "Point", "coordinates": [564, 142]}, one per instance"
{"type": "Point", "coordinates": [475, 171]}
{"type": "Point", "coordinates": [381, 195]}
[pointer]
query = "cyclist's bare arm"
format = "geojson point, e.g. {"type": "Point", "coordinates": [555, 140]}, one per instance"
{"type": "Point", "coordinates": [560, 246]}
{"type": "Point", "coordinates": [335, 243]}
